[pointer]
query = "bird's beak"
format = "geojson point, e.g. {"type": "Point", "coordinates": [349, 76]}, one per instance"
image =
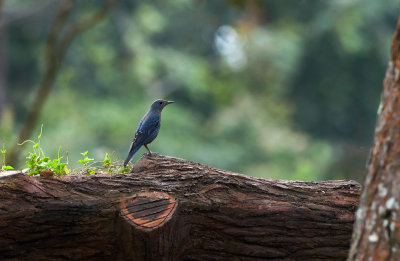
{"type": "Point", "coordinates": [169, 102]}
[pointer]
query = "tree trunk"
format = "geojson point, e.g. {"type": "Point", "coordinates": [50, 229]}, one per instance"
{"type": "Point", "coordinates": [172, 209]}
{"type": "Point", "coordinates": [377, 228]}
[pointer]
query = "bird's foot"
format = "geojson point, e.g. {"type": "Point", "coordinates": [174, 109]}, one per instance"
{"type": "Point", "coordinates": [151, 154]}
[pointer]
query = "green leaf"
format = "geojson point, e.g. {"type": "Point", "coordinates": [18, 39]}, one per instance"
{"type": "Point", "coordinates": [85, 159]}
{"type": "Point", "coordinates": [43, 160]}
{"type": "Point", "coordinates": [51, 164]}
{"type": "Point", "coordinates": [59, 168]}
{"type": "Point", "coordinates": [7, 168]}
{"type": "Point", "coordinates": [106, 160]}
{"type": "Point", "coordinates": [31, 162]}
{"type": "Point", "coordinates": [125, 169]}
{"type": "Point", "coordinates": [40, 135]}
{"type": "Point", "coordinates": [66, 170]}
{"type": "Point", "coordinates": [34, 173]}
{"type": "Point", "coordinates": [42, 164]}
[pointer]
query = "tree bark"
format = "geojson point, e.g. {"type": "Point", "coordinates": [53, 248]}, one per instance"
{"type": "Point", "coordinates": [172, 209]}
{"type": "Point", "coordinates": [377, 228]}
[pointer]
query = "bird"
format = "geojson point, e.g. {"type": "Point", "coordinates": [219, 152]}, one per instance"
{"type": "Point", "coordinates": [148, 128]}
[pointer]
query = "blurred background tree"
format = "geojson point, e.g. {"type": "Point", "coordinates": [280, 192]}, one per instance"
{"type": "Point", "coordinates": [277, 89]}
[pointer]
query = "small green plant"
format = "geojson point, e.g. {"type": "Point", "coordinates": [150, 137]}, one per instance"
{"type": "Point", "coordinates": [107, 164]}
{"type": "Point", "coordinates": [85, 162]}
{"type": "Point", "coordinates": [85, 159]}
{"type": "Point", "coordinates": [106, 161]}
{"type": "Point", "coordinates": [37, 161]}
{"type": "Point", "coordinates": [111, 166]}
{"type": "Point", "coordinates": [124, 169]}
{"type": "Point", "coordinates": [4, 166]}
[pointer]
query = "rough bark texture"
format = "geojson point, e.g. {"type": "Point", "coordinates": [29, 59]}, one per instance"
{"type": "Point", "coordinates": [377, 229]}
{"type": "Point", "coordinates": [172, 209]}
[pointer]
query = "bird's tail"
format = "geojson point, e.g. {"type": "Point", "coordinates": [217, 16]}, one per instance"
{"type": "Point", "coordinates": [132, 151]}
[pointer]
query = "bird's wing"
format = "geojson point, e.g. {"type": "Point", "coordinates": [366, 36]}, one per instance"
{"type": "Point", "coordinates": [147, 130]}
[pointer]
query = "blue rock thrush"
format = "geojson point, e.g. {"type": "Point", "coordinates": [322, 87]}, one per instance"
{"type": "Point", "coordinates": [148, 128]}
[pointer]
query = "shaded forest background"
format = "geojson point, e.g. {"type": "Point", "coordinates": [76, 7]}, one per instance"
{"type": "Point", "coordinates": [277, 89]}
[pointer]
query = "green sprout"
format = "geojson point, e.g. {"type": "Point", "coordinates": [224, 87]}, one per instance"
{"type": "Point", "coordinates": [37, 161]}
{"type": "Point", "coordinates": [112, 166]}
{"type": "Point", "coordinates": [85, 162]}
{"type": "Point", "coordinates": [4, 166]}
{"type": "Point", "coordinates": [124, 169]}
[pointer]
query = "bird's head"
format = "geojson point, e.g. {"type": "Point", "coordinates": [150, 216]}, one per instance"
{"type": "Point", "coordinates": [160, 104]}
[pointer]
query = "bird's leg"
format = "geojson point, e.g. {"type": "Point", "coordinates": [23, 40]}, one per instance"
{"type": "Point", "coordinates": [145, 145]}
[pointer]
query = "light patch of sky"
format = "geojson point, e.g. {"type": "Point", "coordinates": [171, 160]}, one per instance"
{"type": "Point", "coordinates": [229, 45]}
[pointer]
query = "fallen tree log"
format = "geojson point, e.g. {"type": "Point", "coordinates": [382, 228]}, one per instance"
{"type": "Point", "coordinates": [172, 209]}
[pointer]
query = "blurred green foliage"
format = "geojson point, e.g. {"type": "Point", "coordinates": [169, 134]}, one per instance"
{"type": "Point", "coordinates": [277, 89]}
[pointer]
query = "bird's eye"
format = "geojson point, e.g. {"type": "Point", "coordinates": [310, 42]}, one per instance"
{"type": "Point", "coordinates": [160, 102]}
